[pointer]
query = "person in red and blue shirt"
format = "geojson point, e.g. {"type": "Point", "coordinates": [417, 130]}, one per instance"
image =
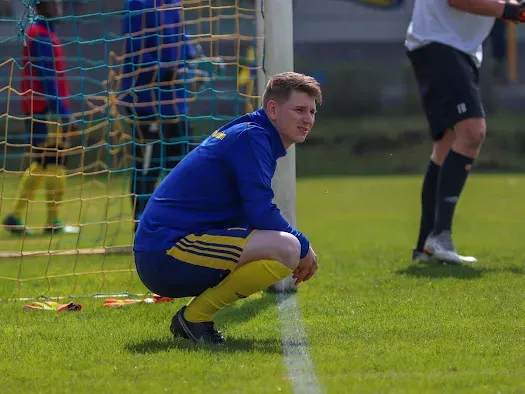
{"type": "Point", "coordinates": [211, 231]}
{"type": "Point", "coordinates": [45, 95]}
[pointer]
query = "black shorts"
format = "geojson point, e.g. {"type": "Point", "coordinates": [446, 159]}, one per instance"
{"type": "Point", "coordinates": [448, 82]}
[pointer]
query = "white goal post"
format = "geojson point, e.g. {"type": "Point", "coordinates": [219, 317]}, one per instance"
{"type": "Point", "coordinates": [275, 24]}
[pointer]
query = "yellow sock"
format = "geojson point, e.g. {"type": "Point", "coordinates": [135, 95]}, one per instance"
{"type": "Point", "coordinates": [240, 283]}
{"type": "Point", "coordinates": [30, 183]}
{"type": "Point", "coordinates": [55, 185]}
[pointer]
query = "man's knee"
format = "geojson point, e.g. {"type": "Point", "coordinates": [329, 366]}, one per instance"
{"type": "Point", "coordinates": [470, 133]}
{"type": "Point", "coordinates": [290, 250]}
{"type": "Point", "coordinates": [272, 245]}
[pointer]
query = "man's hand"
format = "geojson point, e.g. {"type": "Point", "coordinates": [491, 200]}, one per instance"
{"type": "Point", "coordinates": [307, 267]}
{"type": "Point", "coordinates": [514, 12]}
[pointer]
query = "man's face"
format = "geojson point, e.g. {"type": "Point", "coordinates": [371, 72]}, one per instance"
{"type": "Point", "coordinates": [51, 8]}
{"type": "Point", "coordinates": [293, 118]}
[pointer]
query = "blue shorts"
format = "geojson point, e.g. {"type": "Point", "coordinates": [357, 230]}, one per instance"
{"type": "Point", "coordinates": [195, 263]}
{"type": "Point", "coordinates": [36, 130]}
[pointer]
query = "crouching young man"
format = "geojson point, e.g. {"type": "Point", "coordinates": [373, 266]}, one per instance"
{"type": "Point", "coordinates": [210, 230]}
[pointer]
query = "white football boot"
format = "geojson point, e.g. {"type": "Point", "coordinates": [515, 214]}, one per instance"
{"type": "Point", "coordinates": [440, 247]}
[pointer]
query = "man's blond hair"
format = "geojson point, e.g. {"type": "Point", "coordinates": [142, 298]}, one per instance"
{"type": "Point", "coordinates": [281, 86]}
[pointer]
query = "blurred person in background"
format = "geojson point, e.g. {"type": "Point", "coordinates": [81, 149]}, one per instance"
{"type": "Point", "coordinates": [45, 100]}
{"type": "Point", "coordinates": [444, 44]}
{"type": "Point", "coordinates": [159, 74]}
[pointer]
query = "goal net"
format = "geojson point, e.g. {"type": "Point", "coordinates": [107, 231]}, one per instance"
{"type": "Point", "coordinates": [93, 256]}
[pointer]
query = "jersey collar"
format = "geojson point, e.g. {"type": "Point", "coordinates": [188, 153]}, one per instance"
{"type": "Point", "coordinates": [261, 118]}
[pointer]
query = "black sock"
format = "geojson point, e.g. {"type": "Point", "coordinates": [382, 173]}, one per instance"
{"type": "Point", "coordinates": [452, 178]}
{"type": "Point", "coordinates": [428, 203]}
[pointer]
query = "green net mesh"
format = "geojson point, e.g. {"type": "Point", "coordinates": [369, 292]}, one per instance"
{"type": "Point", "coordinates": [103, 136]}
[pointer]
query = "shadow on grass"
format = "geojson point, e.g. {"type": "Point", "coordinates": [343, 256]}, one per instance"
{"type": "Point", "coordinates": [231, 315]}
{"type": "Point", "coordinates": [436, 269]}
{"type": "Point", "coordinates": [232, 345]}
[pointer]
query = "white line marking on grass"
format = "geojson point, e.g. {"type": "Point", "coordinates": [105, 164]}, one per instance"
{"type": "Point", "coordinates": [299, 366]}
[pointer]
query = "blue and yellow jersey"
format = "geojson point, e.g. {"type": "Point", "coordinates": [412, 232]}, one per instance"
{"type": "Point", "coordinates": [225, 182]}
{"type": "Point", "coordinates": [156, 46]}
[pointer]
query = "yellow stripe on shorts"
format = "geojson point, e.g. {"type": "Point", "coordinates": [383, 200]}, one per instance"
{"type": "Point", "coordinates": [212, 251]}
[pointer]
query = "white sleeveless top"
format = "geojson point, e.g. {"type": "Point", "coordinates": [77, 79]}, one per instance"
{"type": "Point", "coordinates": [436, 21]}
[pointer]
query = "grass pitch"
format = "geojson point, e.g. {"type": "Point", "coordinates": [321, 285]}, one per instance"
{"type": "Point", "coordinates": [376, 322]}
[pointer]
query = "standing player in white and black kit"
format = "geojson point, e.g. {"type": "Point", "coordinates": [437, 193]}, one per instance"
{"type": "Point", "coordinates": [444, 44]}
